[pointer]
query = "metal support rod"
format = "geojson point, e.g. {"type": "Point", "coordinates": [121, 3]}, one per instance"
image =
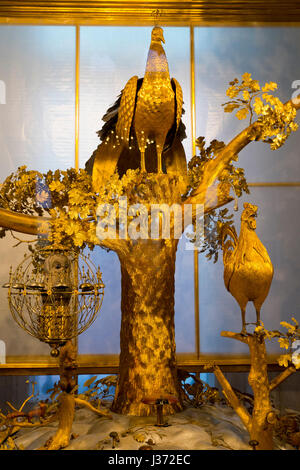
{"type": "Point", "coordinates": [193, 99]}
{"type": "Point", "coordinates": [274, 184]}
{"type": "Point", "coordinates": [77, 78]}
{"type": "Point", "coordinates": [76, 163]}
{"type": "Point", "coordinates": [196, 300]}
{"type": "Point", "coordinates": [193, 137]}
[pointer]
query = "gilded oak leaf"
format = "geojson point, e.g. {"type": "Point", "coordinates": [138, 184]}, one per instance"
{"type": "Point", "coordinates": [242, 113]}
{"type": "Point", "coordinates": [284, 360]}
{"type": "Point", "coordinates": [73, 212]}
{"type": "Point", "coordinates": [79, 239]}
{"type": "Point", "coordinates": [75, 196]}
{"type": "Point", "coordinates": [271, 86]}
{"type": "Point", "coordinates": [71, 228]}
{"type": "Point", "coordinates": [284, 343]}
{"type": "Point", "coordinates": [84, 212]}
{"type": "Point", "coordinates": [56, 186]}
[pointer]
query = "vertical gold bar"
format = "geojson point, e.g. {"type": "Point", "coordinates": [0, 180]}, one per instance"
{"type": "Point", "coordinates": [193, 99]}
{"type": "Point", "coordinates": [77, 78]}
{"type": "Point", "coordinates": [77, 97]}
{"type": "Point", "coordinates": [196, 300]}
{"type": "Point", "coordinates": [193, 136]}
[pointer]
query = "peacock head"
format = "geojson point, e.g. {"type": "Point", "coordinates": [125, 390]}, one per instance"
{"type": "Point", "coordinates": [249, 215]}
{"type": "Point", "coordinates": [157, 35]}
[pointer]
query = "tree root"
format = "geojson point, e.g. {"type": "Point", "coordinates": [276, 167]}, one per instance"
{"type": "Point", "coordinates": [101, 412]}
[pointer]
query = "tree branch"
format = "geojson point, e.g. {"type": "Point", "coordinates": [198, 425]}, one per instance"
{"type": "Point", "coordinates": [88, 405]}
{"type": "Point", "coordinates": [237, 336]}
{"type": "Point", "coordinates": [26, 424]}
{"type": "Point", "coordinates": [12, 407]}
{"type": "Point", "coordinates": [281, 377]}
{"type": "Point", "coordinates": [24, 223]}
{"type": "Point", "coordinates": [116, 244]}
{"type": "Point", "coordinates": [35, 225]}
{"type": "Point", "coordinates": [232, 398]}
{"type": "Point", "coordinates": [20, 240]}
{"type": "Point", "coordinates": [212, 202]}
{"type": "Point", "coordinates": [214, 168]}
{"type": "Point", "coordinates": [28, 398]}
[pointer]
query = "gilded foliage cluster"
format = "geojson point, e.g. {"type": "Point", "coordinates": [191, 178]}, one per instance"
{"type": "Point", "coordinates": [231, 175]}
{"type": "Point", "coordinates": [250, 99]}
{"type": "Point", "coordinates": [66, 196]}
{"type": "Point", "coordinates": [70, 201]}
{"type": "Point", "coordinates": [287, 340]}
{"type": "Point", "coordinates": [231, 178]}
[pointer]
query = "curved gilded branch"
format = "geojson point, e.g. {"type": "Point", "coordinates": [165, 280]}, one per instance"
{"type": "Point", "coordinates": [23, 223]}
{"type": "Point", "coordinates": [233, 400]}
{"type": "Point", "coordinates": [214, 168]}
{"type": "Point", "coordinates": [233, 335]}
{"type": "Point", "coordinates": [282, 376]}
{"type": "Point", "coordinates": [100, 412]}
{"type": "Point", "coordinates": [34, 225]}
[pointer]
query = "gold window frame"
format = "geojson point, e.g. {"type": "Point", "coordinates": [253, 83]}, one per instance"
{"type": "Point", "coordinates": [137, 13]}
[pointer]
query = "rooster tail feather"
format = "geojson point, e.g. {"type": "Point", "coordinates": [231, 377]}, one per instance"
{"type": "Point", "coordinates": [229, 241]}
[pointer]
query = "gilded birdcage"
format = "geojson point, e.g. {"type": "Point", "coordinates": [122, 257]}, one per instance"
{"type": "Point", "coordinates": [55, 295]}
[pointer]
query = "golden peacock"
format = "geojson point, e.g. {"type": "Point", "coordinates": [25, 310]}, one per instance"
{"type": "Point", "coordinates": [248, 270]}
{"type": "Point", "coordinates": [143, 129]}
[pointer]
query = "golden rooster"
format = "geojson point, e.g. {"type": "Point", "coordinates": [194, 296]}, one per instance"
{"type": "Point", "coordinates": [143, 128]}
{"type": "Point", "coordinates": [248, 270]}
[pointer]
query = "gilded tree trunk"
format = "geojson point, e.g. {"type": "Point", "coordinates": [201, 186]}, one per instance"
{"type": "Point", "coordinates": [65, 421]}
{"type": "Point", "coordinates": [263, 420]}
{"type": "Point", "coordinates": [147, 358]}
{"type": "Point", "coordinates": [68, 371]}
{"type": "Point", "coordinates": [262, 417]}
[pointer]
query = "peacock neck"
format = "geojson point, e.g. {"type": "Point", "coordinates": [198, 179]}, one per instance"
{"type": "Point", "coordinates": [157, 63]}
